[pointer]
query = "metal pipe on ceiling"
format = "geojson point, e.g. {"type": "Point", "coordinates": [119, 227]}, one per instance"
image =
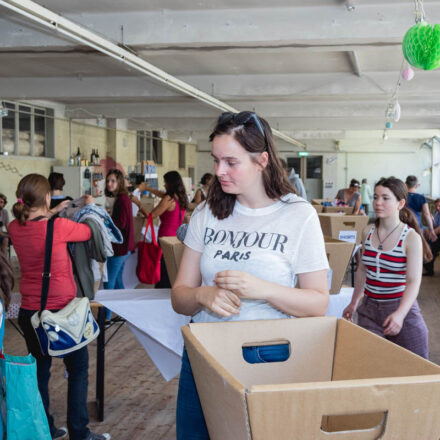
{"type": "Point", "coordinates": [57, 23]}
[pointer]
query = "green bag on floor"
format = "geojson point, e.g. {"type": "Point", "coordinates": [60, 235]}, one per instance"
{"type": "Point", "coordinates": [22, 409]}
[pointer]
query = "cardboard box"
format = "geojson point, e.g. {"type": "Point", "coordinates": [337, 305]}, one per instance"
{"type": "Point", "coordinates": [319, 208]}
{"type": "Point", "coordinates": [343, 227]}
{"type": "Point", "coordinates": [319, 201]}
{"type": "Point", "coordinates": [343, 209]}
{"type": "Point", "coordinates": [339, 256]}
{"type": "Point", "coordinates": [340, 382]}
{"type": "Point", "coordinates": [172, 250]}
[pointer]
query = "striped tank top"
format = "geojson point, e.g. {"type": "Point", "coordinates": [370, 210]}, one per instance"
{"type": "Point", "coordinates": [386, 271]}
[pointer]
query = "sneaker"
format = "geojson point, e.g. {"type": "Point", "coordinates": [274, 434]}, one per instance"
{"type": "Point", "coordinates": [60, 433]}
{"type": "Point", "coordinates": [93, 436]}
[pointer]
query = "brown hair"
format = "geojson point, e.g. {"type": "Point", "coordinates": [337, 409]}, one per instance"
{"type": "Point", "coordinates": [121, 189]}
{"type": "Point", "coordinates": [253, 138]}
{"type": "Point", "coordinates": [31, 192]}
{"type": "Point", "coordinates": [411, 181]}
{"type": "Point", "coordinates": [56, 181]}
{"type": "Point", "coordinates": [4, 198]}
{"type": "Point", "coordinates": [6, 280]}
{"type": "Point", "coordinates": [400, 191]}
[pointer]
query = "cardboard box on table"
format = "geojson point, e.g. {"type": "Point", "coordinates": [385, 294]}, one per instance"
{"type": "Point", "coordinates": [338, 255]}
{"type": "Point", "coordinates": [343, 209]}
{"type": "Point", "coordinates": [343, 227]}
{"type": "Point", "coordinates": [319, 208]}
{"type": "Point", "coordinates": [172, 250]}
{"type": "Point", "coordinates": [319, 201]}
{"type": "Point", "coordinates": [340, 382]}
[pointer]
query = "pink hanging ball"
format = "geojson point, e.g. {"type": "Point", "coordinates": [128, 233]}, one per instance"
{"type": "Point", "coordinates": [408, 74]}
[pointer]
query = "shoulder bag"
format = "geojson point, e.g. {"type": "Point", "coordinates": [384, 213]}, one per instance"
{"type": "Point", "coordinates": [65, 330]}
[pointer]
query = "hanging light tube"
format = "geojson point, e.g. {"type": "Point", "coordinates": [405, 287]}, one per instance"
{"type": "Point", "coordinates": [49, 19]}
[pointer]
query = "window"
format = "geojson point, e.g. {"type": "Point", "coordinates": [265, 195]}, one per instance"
{"type": "Point", "coordinates": [144, 141]}
{"type": "Point", "coordinates": [182, 162]}
{"type": "Point", "coordinates": [157, 148]}
{"type": "Point", "coordinates": [27, 130]}
{"type": "Point", "coordinates": [314, 167]}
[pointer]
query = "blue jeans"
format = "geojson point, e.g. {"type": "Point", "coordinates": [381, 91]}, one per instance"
{"type": "Point", "coordinates": [77, 365]}
{"type": "Point", "coordinates": [115, 267]}
{"type": "Point", "coordinates": [190, 422]}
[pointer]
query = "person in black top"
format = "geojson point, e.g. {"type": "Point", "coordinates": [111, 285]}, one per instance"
{"type": "Point", "coordinates": [418, 204]}
{"type": "Point", "coordinates": [57, 183]}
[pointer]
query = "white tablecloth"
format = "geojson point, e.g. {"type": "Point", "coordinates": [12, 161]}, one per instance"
{"type": "Point", "coordinates": [157, 327]}
{"type": "Point", "coordinates": [153, 321]}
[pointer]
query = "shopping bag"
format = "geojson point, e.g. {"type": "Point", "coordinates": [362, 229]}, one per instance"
{"type": "Point", "coordinates": [149, 255]}
{"type": "Point", "coordinates": [22, 410]}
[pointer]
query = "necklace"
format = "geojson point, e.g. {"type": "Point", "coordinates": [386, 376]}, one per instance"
{"type": "Point", "coordinates": [380, 247]}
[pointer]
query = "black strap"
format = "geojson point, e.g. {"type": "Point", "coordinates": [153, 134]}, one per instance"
{"type": "Point", "coordinates": [75, 270]}
{"type": "Point", "coordinates": [47, 261]}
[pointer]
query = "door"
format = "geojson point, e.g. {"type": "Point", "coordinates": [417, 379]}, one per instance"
{"type": "Point", "coordinates": [309, 169]}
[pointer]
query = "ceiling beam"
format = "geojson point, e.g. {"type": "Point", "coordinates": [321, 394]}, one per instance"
{"type": "Point", "coordinates": [37, 14]}
{"type": "Point", "coordinates": [304, 26]}
{"type": "Point", "coordinates": [354, 62]}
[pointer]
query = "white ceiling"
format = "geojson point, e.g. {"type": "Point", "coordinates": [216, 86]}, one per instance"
{"type": "Point", "coordinates": [312, 71]}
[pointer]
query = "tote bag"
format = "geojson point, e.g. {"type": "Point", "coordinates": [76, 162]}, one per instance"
{"type": "Point", "coordinates": [23, 415]}
{"type": "Point", "coordinates": [149, 255]}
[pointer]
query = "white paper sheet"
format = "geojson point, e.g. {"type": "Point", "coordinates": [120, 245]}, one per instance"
{"type": "Point", "coordinates": [153, 321]}
{"type": "Point", "coordinates": [339, 301]}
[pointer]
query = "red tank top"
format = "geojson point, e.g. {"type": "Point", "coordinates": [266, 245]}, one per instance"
{"type": "Point", "coordinates": [170, 221]}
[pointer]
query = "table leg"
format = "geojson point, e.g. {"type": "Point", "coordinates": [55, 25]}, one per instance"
{"type": "Point", "coordinates": [100, 353]}
{"type": "Point", "coordinates": [352, 271]}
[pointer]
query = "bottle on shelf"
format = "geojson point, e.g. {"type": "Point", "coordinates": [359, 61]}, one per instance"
{"type": "Point", "coordinates": [92, 157]}
{"type": "Point", "coordinates": [78, 158]}
{"type": "Point", "coordinates": [97, 157]}
{"type": "Point", "coordinates": [71, 161]}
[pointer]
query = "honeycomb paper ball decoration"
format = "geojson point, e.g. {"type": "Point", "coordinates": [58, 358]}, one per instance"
{"type": "Point", "coordinates": [421, 46]}
{"type": "Point", "coordinates": [389, 125]}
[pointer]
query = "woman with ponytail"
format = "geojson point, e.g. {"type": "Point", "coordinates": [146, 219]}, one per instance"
{"type": "Point", "coordinates": [28, 235]}
{"type": "Point", "coordinates": [390, 271]}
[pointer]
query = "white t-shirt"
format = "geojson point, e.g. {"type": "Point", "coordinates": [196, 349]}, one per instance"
{"type": "Point", "coordinates": [274, 243]}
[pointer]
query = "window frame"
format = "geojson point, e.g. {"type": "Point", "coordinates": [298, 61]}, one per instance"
{"type": "Point", "coordinates": [49, 130]}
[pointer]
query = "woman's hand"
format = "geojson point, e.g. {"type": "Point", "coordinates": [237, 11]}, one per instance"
{"type": "Point", "coordinates": [88, 199]}
{"type": "Point", "coordinates": [220, 301]}
{"type": "Point", "coordinates": [349, 312]}
{"type": "Point", "coordinates": [63, 205]}
{"type": "Point", "coordinates": [239, 282]}
{"type": "Point", "coordinates": [393, 324]}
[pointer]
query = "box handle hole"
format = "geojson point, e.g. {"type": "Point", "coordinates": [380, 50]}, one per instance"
{"type": "Point", "coordinates": [372, 423]}
{"type": "Point", "coordinates": [267, 351]}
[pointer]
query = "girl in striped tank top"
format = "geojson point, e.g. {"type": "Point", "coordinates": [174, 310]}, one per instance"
{"type": "Point", "coordinates": [390, 271]}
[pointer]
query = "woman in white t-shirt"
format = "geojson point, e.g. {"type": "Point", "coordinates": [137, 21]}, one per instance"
{"type": "Point", "coordinates": [254, 250]}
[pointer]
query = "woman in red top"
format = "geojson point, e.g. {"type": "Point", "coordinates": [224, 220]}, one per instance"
{"type": "Point", "coordinates": [28, 235]}
{"type": "Point", "coordinates": [122, 216]}
{"type": "Point", "coordinates": [171, 211]}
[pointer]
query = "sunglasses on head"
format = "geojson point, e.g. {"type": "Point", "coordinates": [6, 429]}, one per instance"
{"type": "Point", "coordinates": [243, 118]}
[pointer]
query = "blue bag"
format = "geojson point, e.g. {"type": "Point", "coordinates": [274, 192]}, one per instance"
{"type": "Point", "coordinates": [22, 409]}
